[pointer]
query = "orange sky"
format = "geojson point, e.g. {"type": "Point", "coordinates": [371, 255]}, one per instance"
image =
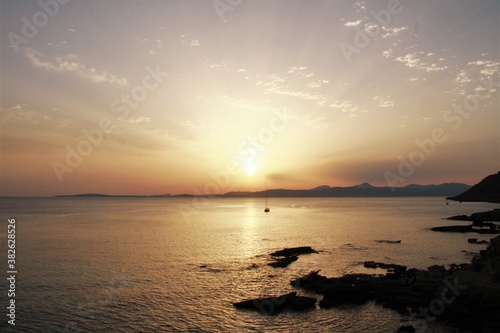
{"type": "Point", "coordinates": [181, 97]}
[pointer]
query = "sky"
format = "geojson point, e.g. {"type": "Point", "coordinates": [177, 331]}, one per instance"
{"type": "Point", "coordinates": [152, 97]}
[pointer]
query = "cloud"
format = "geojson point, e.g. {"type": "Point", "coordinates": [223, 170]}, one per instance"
{"type": "Point", "coordinates": [390, 32]}
{"type": "Point", "coordinates": [345, 106]}
{"type": "Point", "coordinates": [301, 71]}
{"type": "Point", "coordinates": [270, 80]}
{"type": "Point", "coordinates": [411, 60]}
{"type": "Point", "coordinates": [387, 53]}
{"type": "Point", "coordinates": [360, 7]}
{"type": "Point", "coordinates": [384, 102]}
{"type": "Point", "coordinates": [192, 124]}
{"type": "Point", "coordinates": [72, 64]}
{"type": "Point", "coordinates": [140, 119]}
{"type": "Point", "coordinates": [318, 122]}
{"type": "Point", "coordinates": [191, 42]}
{"type": "Point", "coordinates": [222, 64]}
{"type": "Point", "coordinates": [295, 93]}
{"type": "Point", "coordinates": [353, 23]}
{"type": "Point", "coordinates": [488, 67]}
{"type": "Point", "coordinates": [462, 77]}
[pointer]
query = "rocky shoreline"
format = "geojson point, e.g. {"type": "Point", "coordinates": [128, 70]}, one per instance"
{"type": "Point", "coordinates": [482, 223]}
{"type": "Point", "coordinates": [286, 256]}
{"type": "Point", "coordinates": [466, 296]}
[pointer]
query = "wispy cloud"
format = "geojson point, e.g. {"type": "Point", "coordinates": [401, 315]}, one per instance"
{"type": "Point", "coordinates": [463, 77]}
{"type": "Point", "coordinates": [138, 120]}
{"type": "Point", "coordinates": [390, 32]}
{"type": "Point", "coordinates": [188, 41]}
{"type": "Point", "coordinates": [295, 93]}
{"type": "Point", "coordinates": [19, 117]}
{"type": "Point", "coordinates": [384, 102]}
{"type": "Point", "coordinates": [352, 23]}
{"type": "Point", "coordinates": [345, 106]}
{"type": "Point", "coordinates": [412, 60]}
{"type": "Point", "coordinates": [318, 122]}
{"type": "Point", "coordinates": [193, 124]}
{"type": "Point", "coordinates": [73, 64]}
{"type": "Point", "coordinates": [301, 71]}
{"type": "Point", "coordinates": [360, 7]}
{"type": "Point", "coordinates": [488, 67]}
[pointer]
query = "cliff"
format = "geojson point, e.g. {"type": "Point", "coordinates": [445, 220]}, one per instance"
{"type": "Point", "coordinates": [487, 190]}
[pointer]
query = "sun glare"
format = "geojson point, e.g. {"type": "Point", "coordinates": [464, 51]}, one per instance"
{"type": "Point", "coordinates": [250, 170]}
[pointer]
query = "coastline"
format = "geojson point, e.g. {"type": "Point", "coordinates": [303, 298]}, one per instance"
{"type": "Point", "coordinates": [465, 296]}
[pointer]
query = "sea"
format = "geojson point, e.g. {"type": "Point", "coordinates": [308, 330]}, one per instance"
{"type": "Point", "coordinates": [179, 264]}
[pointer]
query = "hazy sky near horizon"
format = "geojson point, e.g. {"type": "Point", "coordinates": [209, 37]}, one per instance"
{"type": "Point", "coordinates": [149, 97]}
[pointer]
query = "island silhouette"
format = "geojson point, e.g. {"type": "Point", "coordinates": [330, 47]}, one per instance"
{"type": "Point", "coordinates": [361, 190]}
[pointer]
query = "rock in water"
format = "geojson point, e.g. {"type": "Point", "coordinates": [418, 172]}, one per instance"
{"type": "Point", "coordinates": [283, 262]}
{"type": "Point", "coordinates": [293, 251]}
{"type": "Point", "coordinates": [289, 255]}
{"type": "Point", "coordinates": [274, 305]}
{"type": "Point", "coordinates": [454, 228]}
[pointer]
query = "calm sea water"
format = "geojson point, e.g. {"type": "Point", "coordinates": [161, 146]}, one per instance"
{"type": "Point", "coordinates": [160, 265]}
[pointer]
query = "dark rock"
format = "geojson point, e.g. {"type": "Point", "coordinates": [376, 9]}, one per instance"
{"type": "Point", "coordinates": [290, 255]}
{"type": "Point", "coordinates": [393, 270]}
{"type": "Point", "coordinates": [283, 262]}
{"type": "Point", "coordinates": [478, 218]}
{"type": "Point", "coordinates": [475, 241]}
{"type": "Point", "coordinates": [388, 241]}
{"type": "Point", "coordinates": [487, 231]}
{"type": "Point", "coordinates": [370, 264]}
{"type": "Point", "coordinates": [454, 228]}
{"type": "Point", "coordinates": [293, 251]}
{"type": "Point", "coordinates": [467, 228]}
{"type": "Point", "coordinates": [312, 281]}
{"type": "Point", "coordinates": [301, 302]}
{"type": "Point", "coordinates": [274, 305]}
{"type": "Point", "coordinates": [471, 308]}
{"type": "Point", "coordinates": [407, 329]}
{"type": "Point", "coordinates": [478, 223]}
{"type": "Point", "coordinates": [267, 306]}
{"type": "Point", "coordinates": [459, 218]}
{"type": "Point", "coordinates": [494, 248]}
{"type": "Point", "coordinates": [345, 293]}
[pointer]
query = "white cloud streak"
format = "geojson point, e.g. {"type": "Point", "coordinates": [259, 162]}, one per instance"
{"type": "Point", "coordinates": [72, 64]}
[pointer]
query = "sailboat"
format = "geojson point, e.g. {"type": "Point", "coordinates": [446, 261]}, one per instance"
{"type": "Point", "coordinates": [266, 210]}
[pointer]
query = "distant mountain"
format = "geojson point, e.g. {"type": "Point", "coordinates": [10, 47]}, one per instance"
{"type": "Point", "coordinates": [361, 190]}
{"type": "Point", "coordinates": [487, 190]}
{"type": "Point", "coordinates": [86, 195]}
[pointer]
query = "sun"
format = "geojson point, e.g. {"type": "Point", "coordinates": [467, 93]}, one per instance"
{"type": "Point", "coordinates": [250, 170]}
